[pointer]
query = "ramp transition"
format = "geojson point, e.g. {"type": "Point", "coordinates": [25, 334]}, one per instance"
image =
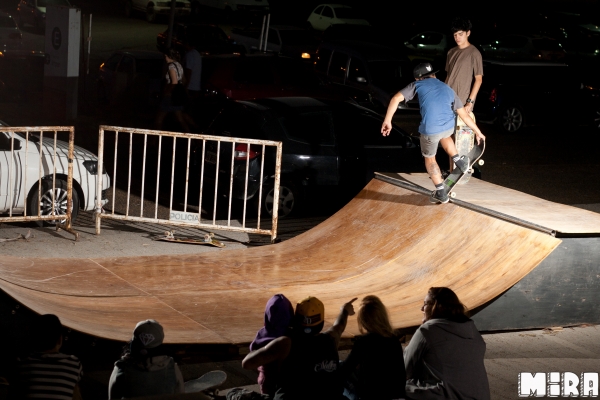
{"type": "Point", "coordinates": [387, 241]}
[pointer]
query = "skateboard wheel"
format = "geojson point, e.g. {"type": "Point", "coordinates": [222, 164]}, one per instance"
{"type": "Point", "coordinates": [453, 195]}
{"type": "Point", "coordinates": [481, 162]}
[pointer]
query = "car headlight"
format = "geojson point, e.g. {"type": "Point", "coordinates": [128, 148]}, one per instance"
{"type": "Point", "coordinates": [92, 167]}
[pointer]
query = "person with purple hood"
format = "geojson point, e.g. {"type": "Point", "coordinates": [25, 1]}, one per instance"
{"type": "Point", "coordinates": [279, 313]}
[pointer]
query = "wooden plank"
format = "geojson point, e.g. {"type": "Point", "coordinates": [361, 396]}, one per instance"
{"type": "Point", "coordinates": [387, 241]}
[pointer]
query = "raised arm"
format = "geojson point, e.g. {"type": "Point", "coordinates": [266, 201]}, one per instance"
{"type": "Point", "coordinates": [340, 322]}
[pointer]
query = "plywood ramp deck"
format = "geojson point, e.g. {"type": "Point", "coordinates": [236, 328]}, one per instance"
{"type": "Point", "coordinates": [559, 218]}
{"type": "Point", "coordinates": [387, 241]}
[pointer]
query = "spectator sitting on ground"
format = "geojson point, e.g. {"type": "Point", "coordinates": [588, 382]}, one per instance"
{"type": "Point", "coordinates": [278, 320]}
{"type": "Point", "coordinates": [444, 359]}
{"type": "Point", "coordinates": [46, 373]}
{"type": "Point", "coordinates": [308, 359]}
{"type": "Point", "coordinates": [144, 369]}
{"type": "Point", "coordinates": [374, 369]}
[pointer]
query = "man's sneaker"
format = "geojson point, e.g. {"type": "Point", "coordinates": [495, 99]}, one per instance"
{"type": "Point", "coordinates": [463, 164]}
{"type": "Point", "coordinates": [439, 196]}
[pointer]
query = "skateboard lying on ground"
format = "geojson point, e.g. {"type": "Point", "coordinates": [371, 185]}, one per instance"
{"type": "Point", "coordinates": [207, 383]}
{"type": "Point", "coordinates": [169, 236]}
{"type": "Point", "coordinates": [464, 139]}
{"type": "Point", "coordinates": [457, 175]}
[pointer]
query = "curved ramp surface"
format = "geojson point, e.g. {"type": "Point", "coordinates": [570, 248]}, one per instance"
{"type": "Point", "coordinates": [387, 241]}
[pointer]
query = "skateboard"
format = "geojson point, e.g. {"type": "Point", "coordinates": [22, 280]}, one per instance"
{"type": "Point", "coordinates": [169, 236]}
{"type": "Point", "coordinates": [464, 139]}
{"type": "Point", "coordinates": [456, 176]}
{"type": "Point", "coordinates": [207, 383]}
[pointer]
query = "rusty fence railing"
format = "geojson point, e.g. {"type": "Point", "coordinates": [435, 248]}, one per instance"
{"type": "Point", "coordinates": [36, 175]}
{"type": "Point", "coordinates": [194, 174]}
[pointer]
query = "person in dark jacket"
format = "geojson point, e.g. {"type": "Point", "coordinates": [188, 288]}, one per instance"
{"type": "Point", "coordinates": [145, 369]}
{"type": "Point", "coordinates": [444, 359]}
{"type": "Point", "coordinates": [375, 367]}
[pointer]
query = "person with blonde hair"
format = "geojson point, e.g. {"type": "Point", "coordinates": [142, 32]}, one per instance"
{"type": "Point", "coordinates": [444, 359]}
{"type": "Point", "coordinates": [374, 369]}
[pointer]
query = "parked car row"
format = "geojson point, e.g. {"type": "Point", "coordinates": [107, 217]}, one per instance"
{"type": "Point", "coordinates": [516, 94]}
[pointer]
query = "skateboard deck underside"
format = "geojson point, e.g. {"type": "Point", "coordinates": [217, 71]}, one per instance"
{"type": "Point", "coordinates": [208, 381]}
{"type": "Point", "coordinates": [190, 241]}
{"type": "Point", "coordinates": [465, 140]}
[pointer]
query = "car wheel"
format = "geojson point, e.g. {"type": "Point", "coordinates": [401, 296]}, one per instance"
{"type": "Point", "coordinates": [511, 119]}
{"type": "Point", "coordinates": [150, 14]}
{"type": "Point", "coordinates": [289, 198]}
{"type": "Point", "coordinates": [60, 201]}
{"type": "Point", "coordinates": [128, 9]}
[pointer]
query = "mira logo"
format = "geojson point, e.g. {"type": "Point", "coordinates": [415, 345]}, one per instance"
{"type": "Point", "coordinates": [555, 384]}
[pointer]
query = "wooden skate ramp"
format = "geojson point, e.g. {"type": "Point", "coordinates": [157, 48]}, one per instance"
{"type": "Point", "coordinates": [387, 241]}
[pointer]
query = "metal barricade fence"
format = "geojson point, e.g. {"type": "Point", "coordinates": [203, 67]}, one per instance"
{"type": "Point", "coordinates": [137, 158]}
{"type": "Point", "coordinates": [35, 167]}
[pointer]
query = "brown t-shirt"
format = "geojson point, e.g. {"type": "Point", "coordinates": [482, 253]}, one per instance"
{"type": "Point", "coordinates": [462, 65]}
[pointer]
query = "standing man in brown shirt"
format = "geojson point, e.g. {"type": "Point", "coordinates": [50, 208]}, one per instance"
{"type": "Point", "coordinates": [464, 65]}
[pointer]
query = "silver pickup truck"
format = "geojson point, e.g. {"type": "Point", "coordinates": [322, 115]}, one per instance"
{"type": "Point", "coordinates": [285, 40]}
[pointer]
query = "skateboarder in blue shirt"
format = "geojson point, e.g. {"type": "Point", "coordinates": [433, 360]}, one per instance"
{"type": "Point", "coordinates": [438, 103]}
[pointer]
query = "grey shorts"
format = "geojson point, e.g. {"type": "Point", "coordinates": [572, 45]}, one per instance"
{"type": "Point", "coordinates": [429, 143]}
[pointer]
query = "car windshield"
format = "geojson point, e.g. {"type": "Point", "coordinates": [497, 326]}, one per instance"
{"type": "Point", "coordinates": [347, 13]}
{"type": "Point", "coordinates": [6, 21]}
{"type": "Point", "coordinates": [390, 74]}
{"type": "Point", "coordinates": [295, 37]}
{"type": "Point", "coordinates": [46, 3]}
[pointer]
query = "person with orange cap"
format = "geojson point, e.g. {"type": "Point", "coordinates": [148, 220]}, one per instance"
{"type": "Point", "coordinates": [308, 357]}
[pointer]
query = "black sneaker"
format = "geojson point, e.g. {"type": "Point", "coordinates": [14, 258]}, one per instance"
{"type": "Point", "coordinates": [439, 196]}
{"type": "Point", "coordinates": [463, 164]}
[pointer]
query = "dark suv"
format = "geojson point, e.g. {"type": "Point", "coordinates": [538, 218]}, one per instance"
{"type": "Point", "coordinates": [516, 94]}
{"type": "Point", "coordinates": [325, 143]}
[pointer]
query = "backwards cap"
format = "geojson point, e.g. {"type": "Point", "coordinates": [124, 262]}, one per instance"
{"type": "Point", "coordinates": [311, 310]}
{"type": "Point", "coordinates": [150, 333]}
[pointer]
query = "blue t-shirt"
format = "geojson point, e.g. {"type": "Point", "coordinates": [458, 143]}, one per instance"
{"type": "Point", "coordinates": [438, 103]}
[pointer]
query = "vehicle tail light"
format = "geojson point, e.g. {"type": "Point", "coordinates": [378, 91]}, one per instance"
{"type": "Point", "coordinates": [241, 152]}
{"type": "Point", "coordinates": [493, 95]}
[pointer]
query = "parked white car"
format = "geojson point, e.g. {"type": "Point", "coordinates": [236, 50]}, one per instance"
{"type": "Point", "coordinates": [152, 8]}
{"type": "Point", "coordinates": [25, 188]}
{"type": "Point", "coordinates": [325, 15]}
